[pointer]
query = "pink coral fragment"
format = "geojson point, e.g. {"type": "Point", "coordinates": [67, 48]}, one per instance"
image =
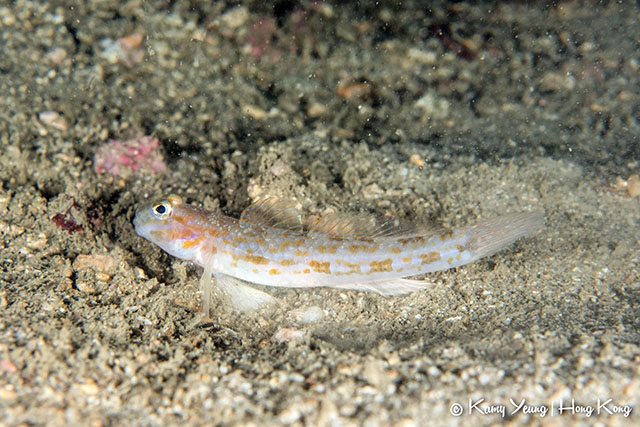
{"type": "Point", "coordinates": [138, 156]}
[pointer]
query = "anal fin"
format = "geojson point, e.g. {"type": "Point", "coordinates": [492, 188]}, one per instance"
{"type": "Point", "coordinates": [242, 295]}
{"type": "Point", "coordinates": [388, 288]}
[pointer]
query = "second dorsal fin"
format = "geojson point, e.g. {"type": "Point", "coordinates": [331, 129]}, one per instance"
{"type": "Point", "coordinates": [359, 225]}
{"type": "Point", "coordinates": [340, 224]}
{"type": "Point", "coordinates": [273, 212]}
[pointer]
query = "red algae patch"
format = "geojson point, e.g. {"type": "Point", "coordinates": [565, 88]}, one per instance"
{"type": "Point", "coordinates": [138, 156]}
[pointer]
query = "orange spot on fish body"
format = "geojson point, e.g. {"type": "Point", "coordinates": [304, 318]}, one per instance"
{"type": "Point", "coordinates": [287, 262]}
{"type": "Point", "coordinates": [199, 227]}
{"type": "Point", "coordinates": [274, 271]}
{"type": "Point", "coordinates": [320, 267]}
{"type": "Point", "coordinates": [208, 248]}
{"type": "Point", "coordinates": [183, 220]}
{"type": "Point", "coordinates": [190, 244]}
{"type": "Point", "coordinates": [240, 240]}
{"type": "Point", "coordinates": [415, 241]}
{"type": "Point", "coordinates": [176, 234]}
{"type": "Point", "coordinates": [354, 249]}
{"type": "Point", "coordinates": [381, 266]}
{"type": "Point", "coordinates": [295, 244]}
{"type": "Point", "coordinates": [254, 259]}
{"type": "Point", "coordinates": [430, 257]}
{"type": "Point", "coordinates": [446, 236]}
{"type": "Point", "coordinates": [354, 268]}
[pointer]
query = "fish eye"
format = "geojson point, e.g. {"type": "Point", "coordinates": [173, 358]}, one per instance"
{"type": "Point", "coordinates": [162, 210]}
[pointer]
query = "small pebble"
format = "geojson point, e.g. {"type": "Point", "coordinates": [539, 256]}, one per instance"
{"type": "Point", "coordinates": [255, 112]}
{"type": "Point", "coordinates": [433, 371]}
{"type": "Point", "coordinates": [285, 335]}
{"type": "Point", "coordinates": [37, 242]}
{"type": "Point", "coordinates": [86, 287]}
{"type": "Point", "coordinates": [88, 388]}
{"type": "Point", "coordinates": [416, 160]}
{"type": "Point", "coordinates": [307, 315]}
{"type": "Point", "coordinates": [374, 372]}
{"type": "Point", "coordinates": [317, 110]}
{"type": "Point", "coordinates": [7, 366]}
{"type": "Point", "coordinates": [279, 168]}
{"type": "Point", "coordinates": [127, 50]}
{"type": "Point", "coordinates": [7, 394]}
{"type": "Point", "coordinates": [99, 263]}
{"type": "Point", "coordinates": [54, 120]}
{"type": "Point", "coordinates": [235, 18]}
{"type": "Point", "coordinates": [289, 415]}
{"type": "Point", "coordinates": [56, 55]}
{"type": "Point", "coordinates": [633, 186]}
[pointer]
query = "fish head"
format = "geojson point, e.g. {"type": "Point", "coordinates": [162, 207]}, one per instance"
{"type": "Point", "coordinates": [178, 228]}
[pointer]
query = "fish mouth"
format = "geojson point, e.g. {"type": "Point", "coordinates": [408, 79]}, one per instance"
{"type": "Point", "coordinates": [138, 225]}
{"type": "Point", "coordinates": [136, 221]}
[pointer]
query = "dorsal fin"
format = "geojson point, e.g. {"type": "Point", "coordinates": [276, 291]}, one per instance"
{"type": "Point", "coordinates": [273, 212]}
{"type": "Point", "coordinates": [359, 225]}
{"type": "Point", "coordinates": [339, 224]}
